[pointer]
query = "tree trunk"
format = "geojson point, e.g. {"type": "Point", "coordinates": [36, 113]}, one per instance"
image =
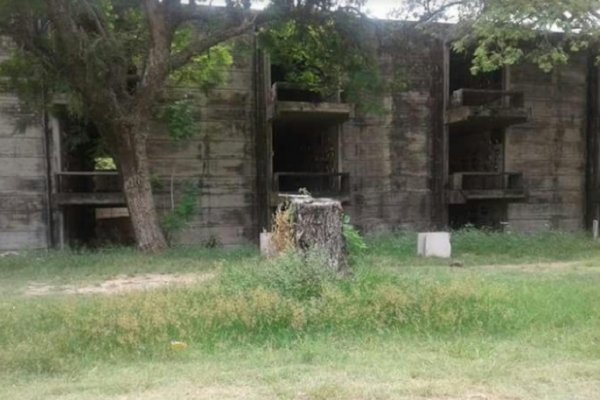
{"type": "Point", "coordinates": [318, 226]}
{"type": "Point", "coordinates": [133, 164]}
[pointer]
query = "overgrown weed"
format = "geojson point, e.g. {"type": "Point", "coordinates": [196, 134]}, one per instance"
{"type": "Point", "coordinates": [281, 300]}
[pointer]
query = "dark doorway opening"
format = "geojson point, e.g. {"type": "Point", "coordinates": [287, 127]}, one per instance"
{"type": "Point", "coordinates": [476, 149]}
{"type": "Point", "coordinates": [305, 156]}
{"type": "Point", "coordinates": [478, 214]}
{"type": "Point", "coordinates": [461, 76]}
{"type": "Point", "coordinates": [88, 190]}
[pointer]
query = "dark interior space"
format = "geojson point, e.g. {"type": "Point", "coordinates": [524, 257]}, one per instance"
{"type": "Point", "coordinates": [289, 91]}
{"type": "Point", "coordinates": [304, 146]}
{"type": "Point", "coordinates": [476, 149]}
{"type": "Point", "coordinates": [488, 214]}
{"type": "Point", "coordinates": [305, 156]}
{"type": "Point", "coordinates": [92, 227]}
{"type": "Point", "coordinates": [462, 78]}
{"type": "Point", "coordinates": [87, 172]}
{"type": "Point", "coordinates": [79, 225]}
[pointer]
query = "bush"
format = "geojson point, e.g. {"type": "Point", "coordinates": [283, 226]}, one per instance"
{"type": "Point", "coordinates": [354, 241]}
{"type": "Point", "coordinates": [293, 274]}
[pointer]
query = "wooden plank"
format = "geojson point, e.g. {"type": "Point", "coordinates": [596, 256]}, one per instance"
{"type": "Point", "coordinates": [215, 217]}
{"type": "Point", "coordinates": [220, 96]}
{"type": "Point", "coordinates": [88, 173]}
{"type": "Point", "coordinates": [389, 199]}
{"type": "Point", "coordinates": [164, 187]}
{"type": "Point", "coordinates": [564, 110]}
{"type": "Point", "coordinates": [544, 211]}
{"type": "Point", "coordinates": [99, 199]}
{"type": "Point", "coordinates": [26, 240]}
{"type": "Point", "coordinates": [210, 201]}
{"type": "Point", "coordinates": [529, 226]}
{"type": "Point", "coordinates": [326, 112]}
{"type": "Point", "coordinates": [22, 167]}
{"type": "Point", "coordinates": [10, 128]}
{"type": "Point", "coordinates": [563, 182]}
{"type": "Point", "coordinates": [556, 196]}
{"type": "Point", "coordinates": [487, 116]}
{"type": "Point", "coordinates": [543, 150]}
{"type": "Point", "coordinates": [22, 221]}
{"type": "Point", "coordinates": [225, 129]}
{"type": "Point", "coordinates": [21, 202]}
{"type": "Point", "coordinates": [548, 167]}
{"type": "Point", "coordinates": [17, 146]}
{"type": "Point", "coordinates": [18, 185]}
{"type": "Point", "coordinates": [206, 168]}
{"type": "Point", "coordinates": [200, 149]}
{"type": "Point", "coordinates": [224, 235]}
{"type": "Point", "coordinates": [538, 129]}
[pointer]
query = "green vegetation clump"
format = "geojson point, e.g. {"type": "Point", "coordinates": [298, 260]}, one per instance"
{"type": "Point", "coordinates": [293, 275]}
{"type": "Point", "coordinates": [183, 212]}
{"type": "Point", "coordinates": [355, 243]}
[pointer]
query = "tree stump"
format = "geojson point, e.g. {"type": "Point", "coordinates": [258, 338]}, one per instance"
{"type": "Point", "coordinates": [317, 226]}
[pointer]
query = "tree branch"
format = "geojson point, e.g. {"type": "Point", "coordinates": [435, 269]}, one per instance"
{"type": "Point", "coordinates": [157, 59]}
{"type": "Point", "coordinates": [432, 14]}
{"type": "Point", "coordinates": [202, 44]}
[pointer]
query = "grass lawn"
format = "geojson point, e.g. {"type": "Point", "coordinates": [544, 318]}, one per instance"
{"type": "Point", "coordinates": [519, 320]}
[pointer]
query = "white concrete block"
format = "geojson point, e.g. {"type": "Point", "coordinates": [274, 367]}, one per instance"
{"type": "Point", "coordinates": [266, 244]}
{"type": "Point", "coordinates": [434, 244]}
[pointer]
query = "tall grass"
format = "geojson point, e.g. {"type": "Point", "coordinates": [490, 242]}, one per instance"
{"type": "Point", "coordinates": [477, 247]}
{"type": "Point", "coordinates": [254, 301]}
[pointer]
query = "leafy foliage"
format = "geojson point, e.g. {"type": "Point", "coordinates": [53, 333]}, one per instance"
{"type": "Point", "coordinates": [184, 211]}
{"type": "Point", "coordinates": [326, 57]}
{"type": "Point", "coordinates": [293, 274]}
{"type": "Point", "coordinates": [205, 71]}
{"type": "Point", "coordinates": [505, 32]}
{"type": "Point", "coordinates": [104, 164]}
{"type": "Point", "coordinates": [354, 241]}
{"type": "Point", "coordinates": [179, 116]}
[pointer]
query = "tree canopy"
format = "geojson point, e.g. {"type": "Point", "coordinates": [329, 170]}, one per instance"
{"type": "Point", "coordinates": [506, 32]}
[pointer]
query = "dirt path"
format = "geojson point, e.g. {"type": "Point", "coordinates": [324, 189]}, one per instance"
{"type": "Point", "coordinates": [119, 284]}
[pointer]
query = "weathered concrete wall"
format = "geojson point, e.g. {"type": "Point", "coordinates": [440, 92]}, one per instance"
{"type": "Point", "coordinates": [550, 149]}
{"type": "Point", "coordinates": [395, 158]}
{"type": "Point", "coordinates": [389, 155]}
{"type": "Point", "coordinates": [219, 159]}
{"type": "Point", "coordinates": [22, 177]}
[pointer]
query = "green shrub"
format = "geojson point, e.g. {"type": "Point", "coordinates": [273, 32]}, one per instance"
{"type": "Point", "coordinates": [295, 275]}
{"type": "Point", "coordinates": [184, 211]}
{"type": "Point", "coordinates": [354, 241]}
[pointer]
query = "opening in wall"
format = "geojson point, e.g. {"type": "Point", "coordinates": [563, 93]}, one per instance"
{"type": "Point", "coordinates": [88, 194]}
{"type": "Point", "coordinates": [305, 156]}
{"type": "Point", "coordinates": [479, 111]}
{"type": "Point", "coordinates": [306, 128]}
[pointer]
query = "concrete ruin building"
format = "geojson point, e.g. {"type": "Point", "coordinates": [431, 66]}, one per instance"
{"type": "Point", "coordinates": [516, 149]}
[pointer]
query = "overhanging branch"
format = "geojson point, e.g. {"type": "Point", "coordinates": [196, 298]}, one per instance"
{"type": "Point", "coordinates": [202, 44]}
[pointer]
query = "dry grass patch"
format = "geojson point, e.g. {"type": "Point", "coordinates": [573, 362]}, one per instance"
{"type": "Point", "coordinates": [120, 284]}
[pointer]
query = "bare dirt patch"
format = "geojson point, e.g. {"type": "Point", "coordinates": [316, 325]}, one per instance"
{"type": "Point", "coordinates": [119, 284]}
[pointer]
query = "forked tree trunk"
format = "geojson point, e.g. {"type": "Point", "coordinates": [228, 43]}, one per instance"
{"type": "Point", "coordinates": [318, 226]}
{"type": "Point", "coordinates": [133, 164]}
